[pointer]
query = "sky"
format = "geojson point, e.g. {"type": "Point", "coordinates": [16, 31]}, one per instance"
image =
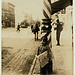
{"type": "Point", "coordinates": [33, 7]}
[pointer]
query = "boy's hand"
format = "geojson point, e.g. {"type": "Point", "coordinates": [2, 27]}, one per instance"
{"type": "Point", "coordinates": [36, 56]}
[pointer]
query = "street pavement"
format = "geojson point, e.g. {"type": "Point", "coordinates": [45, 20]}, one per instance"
{"type": "Point", "coordinates": [11, 38]}
{"type": "Point", "coordinates": [24, 48]}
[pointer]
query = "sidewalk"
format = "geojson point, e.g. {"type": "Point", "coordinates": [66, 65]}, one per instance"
{"type": "Point", "coordinates": [63, 55]}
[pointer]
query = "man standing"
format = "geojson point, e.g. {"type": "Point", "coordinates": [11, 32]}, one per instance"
{"type": "Point", "coordinates": [58, 31]}
{"type": "Point", "coordinates": [36, 31]}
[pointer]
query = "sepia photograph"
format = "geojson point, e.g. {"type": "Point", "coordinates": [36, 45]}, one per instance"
{"type": "Point", "coordinates": [37, 37]}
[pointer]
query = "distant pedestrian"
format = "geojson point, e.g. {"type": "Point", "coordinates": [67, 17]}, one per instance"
{"type": "Point", "coordinates": [58, 29]}
{"type": "Point", "coordinates": [31, 27]}
{"type": "Point", "coordinates": [35, 29]}
{"type": "Point", "coordinates": [18, 28]}
{"type": "Point", "coordinates": [46, 69]}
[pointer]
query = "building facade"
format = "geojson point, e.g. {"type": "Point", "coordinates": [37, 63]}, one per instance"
{"type": "Point", "coordinates": [8, 15]}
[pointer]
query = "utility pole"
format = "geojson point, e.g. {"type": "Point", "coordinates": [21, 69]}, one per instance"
{"type": "Point", "coordinates": [47, 25]}
{"type": "Point", "coordinates": [47, 20]}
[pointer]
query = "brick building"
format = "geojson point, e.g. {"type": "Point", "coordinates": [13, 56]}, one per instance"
{"type": "Point", "coordinates": [8, 14]}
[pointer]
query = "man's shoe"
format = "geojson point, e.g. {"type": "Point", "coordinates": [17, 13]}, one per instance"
{"type": "Point", "coordinates": [58, 45]}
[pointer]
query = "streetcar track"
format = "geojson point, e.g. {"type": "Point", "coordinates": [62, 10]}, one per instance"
{"type": "Point", "coordinates": [11, 61]}
{"type": "Point", "coordinates": [17, 64]}
{"type": "Point", "coordinates": [16, 54]}
{"type": "Point", "coordinates": [20, 55]}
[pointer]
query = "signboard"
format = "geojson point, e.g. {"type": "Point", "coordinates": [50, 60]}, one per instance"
{"type": "Point", "coordinates": [59, 5]}
{"type": "Point", "coordinates": [43, 59]}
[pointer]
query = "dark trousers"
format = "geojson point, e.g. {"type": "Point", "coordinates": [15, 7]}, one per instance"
{"type": "Point", "coordinates": [58, 37]}
{"type": "Point", "coordinates": [36, 36]}
{"type": "Point", "coordinates": [18, 29]}
{"type": "Point", "coordinates": [47, 69]}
